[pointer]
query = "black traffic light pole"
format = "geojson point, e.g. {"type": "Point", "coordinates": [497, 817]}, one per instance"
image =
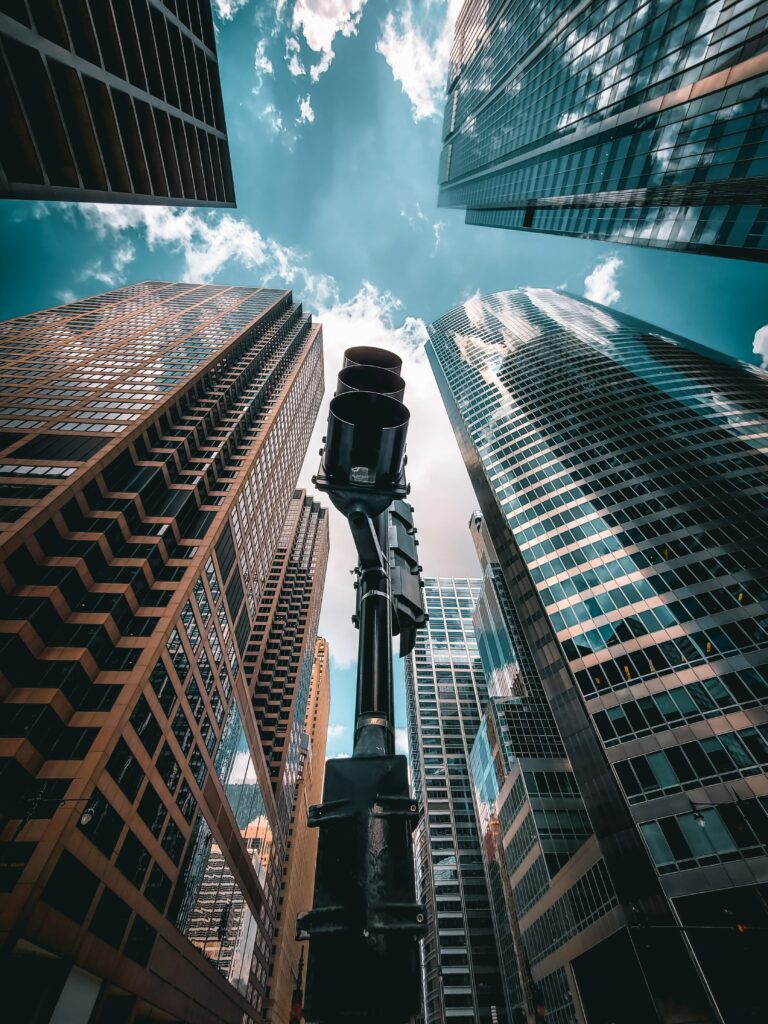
{"type": "Point", "coordinates": [365, 923]}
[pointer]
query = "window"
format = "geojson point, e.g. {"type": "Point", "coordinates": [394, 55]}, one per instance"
{"type": "Point", "coordinates": [125, 770]}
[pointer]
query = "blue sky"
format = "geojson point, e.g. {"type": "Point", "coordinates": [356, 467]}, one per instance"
{"type": "Point", "coordinates": [334, 110]}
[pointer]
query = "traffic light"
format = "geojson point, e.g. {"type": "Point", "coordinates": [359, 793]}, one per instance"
{"type": "Point", "coordinates": [408, 612]}
{"type": "Point", "coordinates": [365, 923]}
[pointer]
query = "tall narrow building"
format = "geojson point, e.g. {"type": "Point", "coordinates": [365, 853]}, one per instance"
{"type": "Point", "coordinates": [151, 439]}
{"type": "Point", "coordinates": [297, 889]}
{"type": "Point", "coordinates": [446, 692]}
{"type": "Point", "coordinates": [631, 123]}
{"type": "Point", "coordinates": [621, 472]}
{"type": "Point", "coordinates": [539, 849]}
{"type": "Point", "coordinates": [112, 101]}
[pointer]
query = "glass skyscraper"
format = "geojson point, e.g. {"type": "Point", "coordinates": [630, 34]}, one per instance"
{"type": "Point", "coordinates": [112, 101]}
{"type": "Point", "coordinates": [630, 122]}
{"type": "Point", "coordinates": [621, 472]}
{"type": "Point", "coordinates": [545, 874]}
{"type": "Point", "coordinates": [445, 696]}
{"type": "Point", "coordinates": [153, 548]}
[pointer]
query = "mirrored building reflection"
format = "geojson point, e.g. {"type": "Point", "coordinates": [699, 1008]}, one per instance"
{"type": "Point", "coordinates": [621, 473]}
{"type": "Point", "coordinates": [632, 123]}
{"type": "Point", "coordinates": [151, 440]}
{"type": "Point", "coordinates": [445, 696]}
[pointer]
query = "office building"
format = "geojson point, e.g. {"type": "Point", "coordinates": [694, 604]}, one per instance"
{"type": "Point", "coordinates": [112, 101]}
{"type": "Point", "coordinates": [541, 857]}
{"type": "Point", "coordinates": [629, 123]}
{"type": "Point", "coordinates": [621, 475]}
{"type": "Point", "coordinates": [286, 975]}
{"type": "Point", "coordinates": [151, 438]}
{"type": "Point", "coordinates": [445, 696]}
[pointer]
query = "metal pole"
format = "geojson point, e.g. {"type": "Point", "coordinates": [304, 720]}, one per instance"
{"type": "Point", "coordinates": [374, 710]}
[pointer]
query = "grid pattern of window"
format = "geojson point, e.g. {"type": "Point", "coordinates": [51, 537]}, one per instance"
{"type": "Point", "coordinates": [446, 691]}
{"type": "Point", "coordinates": [637, 123]}
{"type": "Point", "coordinates": [131, 593]}
{"type": "Point", "coordinates": [112, 100]}
{"type": "Point", "coordinates": [623, 470]}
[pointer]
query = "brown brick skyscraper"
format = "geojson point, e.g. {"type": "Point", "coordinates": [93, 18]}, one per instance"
{"type": "Point", "coordinates": [151, 438]}
{"type": "Point", "coordinates": [299, 869]}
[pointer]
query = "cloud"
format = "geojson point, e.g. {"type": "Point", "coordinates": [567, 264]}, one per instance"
{"type": "Point", "coordinates": [274, 119]}
{"type": "Point", "coordinates": [600, 284]}
{"type": "Point", "coordinates": [336, 731]}
{"type": "Point", "coordinates": [418, 219]}
{"type": "Point", "coordinates": [207, 241]}
{"type": "Point", "coordinates": [292, 58]}
{"type": "Point", "coordinates": [338, 757]}
{"type": "Point", "coordinates": [320, 21]}
{"type": "Point", "coordinates": [227, 9]}
{"type": "Point", "coordinates": [760, 346]}
{"type": "Point", "coordinates": [112, 274]}
{"type": "Point", "coordinates": [418, 54]}
{"type": "Point", "coordinates": [306, 113]}
{"type": "Point", "coordinates": [262, 65]}
{"type": "Point", "coordinates": [435, 470]}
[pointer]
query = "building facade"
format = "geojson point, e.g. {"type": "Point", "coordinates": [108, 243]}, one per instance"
{"type": "Point", "coordinates": [112, 101]}
{"type": "Point", "coordinates": [445, 696]}
{"type": "Point", "coordinates": [539, 850]}
{"type": "Point", "coordinates": [621, 475]}
{"type": "Point", "coordinates": [631, 123]}
{"type": "Point", "coordinates": [299, 865]}
{"type": "Point", "coordinates": [151, 437]}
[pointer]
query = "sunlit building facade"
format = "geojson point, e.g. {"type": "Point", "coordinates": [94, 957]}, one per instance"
{"type": "Point", "coordinates": [445, 696]}
{"type": "Point", "coordinates": [112, 102]}
{"type": "Point", "coordinates": [298, 878]}
{"type": "Point", "coordinates": [152, 437]}
{"type": "Point", "coordinates": [631, 123]}
{"type": "Point", "coordinates": [621, 473]}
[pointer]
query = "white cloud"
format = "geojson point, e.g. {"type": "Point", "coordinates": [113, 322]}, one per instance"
{"type": "Point", "coordinates": [273, 118]}
{"type": "Point", "coordinates": [262, 65]}
{"type": "Point", "coordinates": [339, 757]}
{"type": "Point", "coordinates": [435, 470]}
{"type": "Point", "coordinates": [401, 741]}
{"type": "Point", "coordinates": [320, 21]}
{"type": "Point", "coordinates": [418, 219]}
{"type": "Point", "coordinates": [227, 9]}
{"type": "Point", "coordinates": [292, 58]}
{"type": "Point", "coordinates": [760, 346]}
{"type": "Point", "coordinates": [418, 55]}
{"type": "Point", "coordinates": [600, 284]}
{"type": "Point", "coordinates": [112, 274]}
{"type": "Point", "coordinates": [306, 113]}
{"type": "Point", "coordinates": [65, 296]}
{"type": "Point", "coordinates": [207, 242]}
{"type": "Point", "coordinates": [336, 731]}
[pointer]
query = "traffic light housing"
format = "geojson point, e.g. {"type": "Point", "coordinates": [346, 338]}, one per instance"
{"type": "Point", "coordinates": [408, 611]}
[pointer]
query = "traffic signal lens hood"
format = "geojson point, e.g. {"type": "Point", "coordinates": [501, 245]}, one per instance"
{"type": "Point", "coordinates": [370, 378]}
{"type": "Point", "coordinates": [368, 355]}
{"type": "Point", "coordinates": [366, 439]}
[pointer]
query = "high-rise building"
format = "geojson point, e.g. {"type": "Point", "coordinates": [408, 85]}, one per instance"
{"type": "Point", "coordinates": [611, 120]}
{"type": "Point", "coordinates": [299, 863]}
{"type": "Point", "coordinates": [537, 841]}
{"type": "Point", "coordinates": [446, 692]}
{"type": "Point", "coordinates": [621, 472]}
{"type": "Point", "coordinates": [151, 439]}
{"type": "Point", "coordinates": [112, 101]}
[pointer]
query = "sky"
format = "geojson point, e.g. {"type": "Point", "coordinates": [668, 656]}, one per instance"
{"type": "Point", "coordinates": [334, 113]}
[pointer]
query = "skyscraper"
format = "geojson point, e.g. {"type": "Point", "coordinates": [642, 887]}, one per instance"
{"type": "Point", "coordinates": [445, 696]}
{"type": "Point", "coordinates": [299, 864]}
{"type": "Point", "coordinates": [538, 846]}
{"type": "Point", "coordinates": [151, 440]}
{"type": "Point", "coordinates": [617, 121]}
{"type": "Point", "coordinates": [112, 101]}
{"type": "Point", "coordinates": [621, 475]}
